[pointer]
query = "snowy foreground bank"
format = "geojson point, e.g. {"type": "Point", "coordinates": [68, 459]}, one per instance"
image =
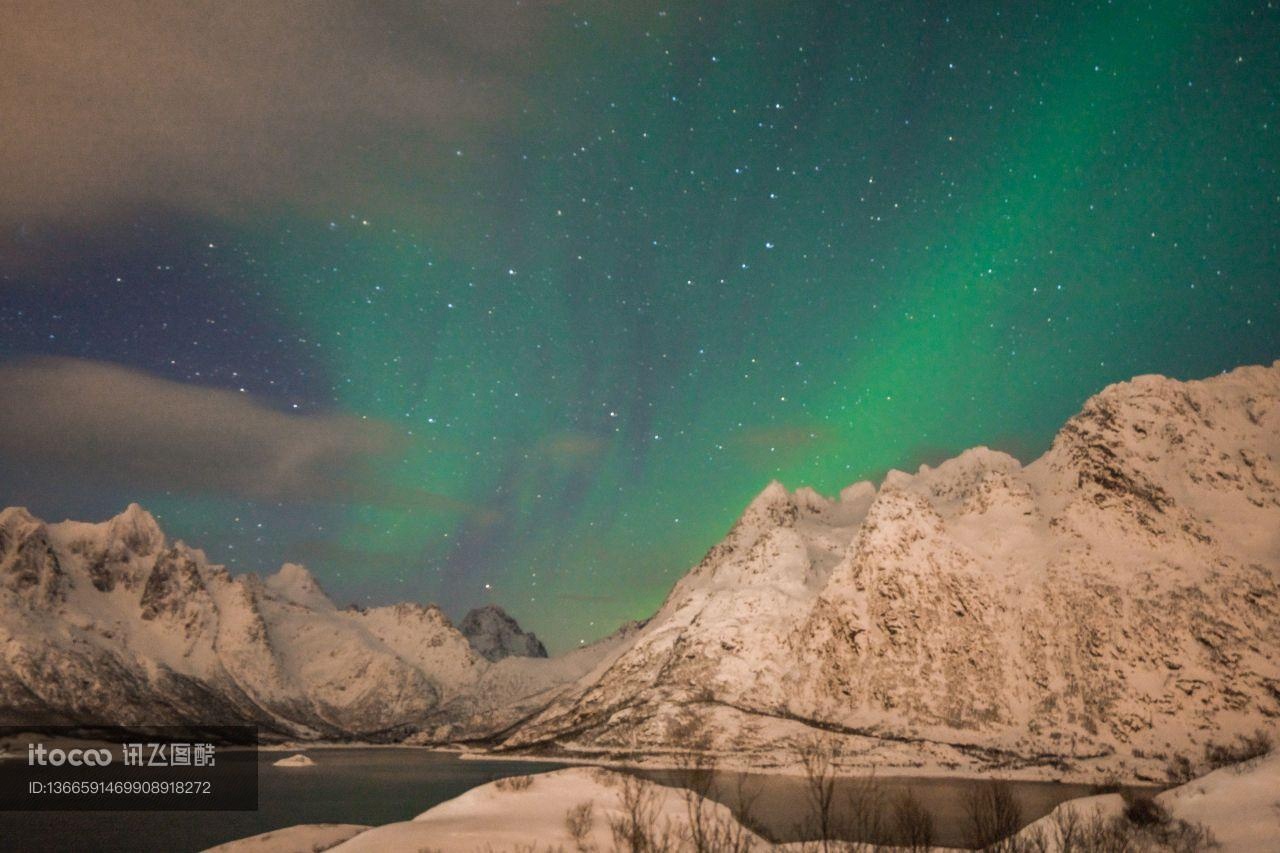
{"type": "Point", "coordinates": [596, 809]}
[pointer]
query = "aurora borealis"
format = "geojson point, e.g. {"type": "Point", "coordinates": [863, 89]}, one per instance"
{"type": "Point", "coordinates": [626, 263]}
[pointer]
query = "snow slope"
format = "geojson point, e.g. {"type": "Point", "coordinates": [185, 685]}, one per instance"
{"type": "Point", "coordinates": [304, 838]}
{"type": "Point", "coordinates": [1240, 805]}
{"type": "Point", "coordinates": [501, 816]}
{"type": "Point", "coordinates": [1112, 602]}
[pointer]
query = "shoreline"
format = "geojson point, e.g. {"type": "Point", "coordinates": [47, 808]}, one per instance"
{"type": "Point", "coordinates": [724, 764]}
{"type": "Point", "coordinates": [792, 769]}
{"type": "Point", "coordinates": [847, 771]}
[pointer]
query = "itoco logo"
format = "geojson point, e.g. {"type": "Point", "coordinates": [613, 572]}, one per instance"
{"type": "Point", "coordinates": [38, 754]}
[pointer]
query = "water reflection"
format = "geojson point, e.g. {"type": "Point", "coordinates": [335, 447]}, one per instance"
{"type": "Point", "coordinates": [870, 809]}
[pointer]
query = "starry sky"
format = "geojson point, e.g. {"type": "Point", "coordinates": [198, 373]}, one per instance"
{"type": "Point", "coordinates": [522, 303]}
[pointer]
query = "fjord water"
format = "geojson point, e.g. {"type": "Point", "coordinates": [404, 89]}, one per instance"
{"type": "Point", "coordinates": [347, 785]}
{"type": "Point", "coordinates": [779, 807]}
{"type": "Point", "coordinates": [374, 786]}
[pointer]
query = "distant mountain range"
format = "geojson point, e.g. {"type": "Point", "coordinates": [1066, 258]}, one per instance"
{"type": "Point", "coordinates": [112, 623]}
{"type": "Point", "coordinates": [1115, 601]}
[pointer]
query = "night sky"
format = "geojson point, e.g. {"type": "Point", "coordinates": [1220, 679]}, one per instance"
{"type": "Point", "coordinates": [522, 303]}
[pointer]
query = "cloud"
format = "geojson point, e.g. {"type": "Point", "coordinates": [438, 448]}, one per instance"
{"type": "Point", "coordinates": [211, 106]}
{"type": "Point", "coordinates": [104, 423]}
{"type": "Point", "coordinates": [568, 448]}
{"type": "Point", "coordinates": [581, 598]}
{"type": "Point", "coordinates": [771, 446]}
{"type": "Point", "coordinates": [324, 552]}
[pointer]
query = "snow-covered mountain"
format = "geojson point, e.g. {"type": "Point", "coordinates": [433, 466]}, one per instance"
{"type": "Point", "coordinates": [111, 623]}
{"type": "Point", "coordinates": [495, 635]}
{"type": "Point", "coordinates": [1116, 600]}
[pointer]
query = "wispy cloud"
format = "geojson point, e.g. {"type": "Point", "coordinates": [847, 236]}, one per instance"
{"type": "Point", "coordinates": [580, 598]}
{"type": "Point", "coordinates": [103, 423]}
{"type": "Point", "coordinates": [770, 446]}
{"type": "Point", "coordinates": [324, 552]}
{"type": "Point", "coordinates": [211, 106]}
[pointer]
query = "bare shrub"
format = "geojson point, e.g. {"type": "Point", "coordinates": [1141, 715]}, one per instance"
{"type": "Point", "coordinates": [1141, 829]}
{"type": "Point", "coordinates": [1245, 748]}
{"type": "Point", "coordinates": [1070, 829]}
{"type": "Point", "coordinates": [1109, 784]}
{"type": "Point", "coordinates": [1144, 811]}
{"type": "Point", "coordinates": [1179, 836]}
{"type": "Point", "coordinates": [709, 830]}
{"type": "Point", "coordinates": [1148, 820]}
{"type": "Point", "coordinates": [606, 777]}
{"type": "Point", "coordinates": [864, 802]}
{"type": "Point", "coordinates": [818, 756]}
{"type": "Point", "coordinates": [1067, 831]}
{"type": "Point", "coordinates": [514, 783]}
{"type": "Point", "coordinates": [912, 823]}
{"type": "Point", "coordinates": [579, 820]}
{"type": "Point", "coordinates": [844, 814]}
{"type": "Point", "coordinates": [992, 813]}
{"type": "Point", "coordinates": [745, 795]}
{"type": "Point", "coordinates": [637, 829]}
{"type": "Point", "coordinates": [695, 774]}
{"type": "Point", "coordinates": [1179, 770]}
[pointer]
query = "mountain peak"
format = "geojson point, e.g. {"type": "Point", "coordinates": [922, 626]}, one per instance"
{"type": "Point", "coordinates": [294, 583]}
{"type": "Point", "coordinates": [14, 517]}
{"type": "Point", "coordinates": [774, 506]}
{"type": "Point", "coordinates": [136, 530]}
{"type": "Point", "coordinates": [495, 635]}
{"type": "Point", "coordinates": [28, 564]}
{"type": "Point", "coordinates": [771, 495]}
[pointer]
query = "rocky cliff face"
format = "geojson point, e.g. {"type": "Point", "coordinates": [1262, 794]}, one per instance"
{"type": "Point", "coordinates": [1116, 600]}
{"type": "Point", "coordinates": [110, 623]}
{"type": "Point", "coordinates": [495, 635]}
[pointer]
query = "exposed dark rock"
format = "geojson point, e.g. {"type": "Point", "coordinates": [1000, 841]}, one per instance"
{"type": "Point", "coordinates": [495, 635]}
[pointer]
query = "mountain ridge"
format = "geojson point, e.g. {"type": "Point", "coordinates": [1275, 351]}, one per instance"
{"type": "Point", "coordinates": [1108, 604]}
{"type": "Point", "coordinates": [1112, 601]}
{"type": "Point", "coordinates": [111, 623]}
